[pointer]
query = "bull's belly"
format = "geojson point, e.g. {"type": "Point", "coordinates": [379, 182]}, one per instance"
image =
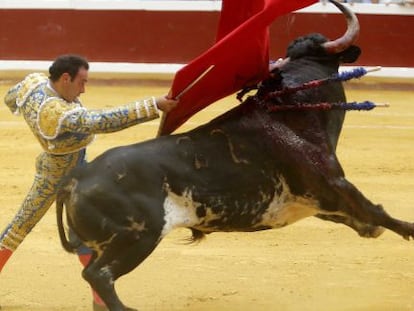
{"type": "Point", "coordinates": [284, 209]}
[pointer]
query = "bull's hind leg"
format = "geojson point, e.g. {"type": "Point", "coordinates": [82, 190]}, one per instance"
{"type": "Point", "coordinates": [354, 203]}
{"type": "Point", "coordinates": [99, 275]}
{"type": "Point", "coordinates": [117, 259]}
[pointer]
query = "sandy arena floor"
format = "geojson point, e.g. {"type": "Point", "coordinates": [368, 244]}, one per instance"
{"type": "Point", "coordinates": [311, 265]}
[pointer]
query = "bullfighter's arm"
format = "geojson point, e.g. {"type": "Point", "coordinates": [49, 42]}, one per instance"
{"type": "Point", "coordinates": [16, 95]}
{"type": "Point", "coordinates": [10, 98]}
{"type": "Point", "coordinates": [53, 120]}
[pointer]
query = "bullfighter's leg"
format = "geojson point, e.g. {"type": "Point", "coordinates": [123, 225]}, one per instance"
{"type": "Point", "coordinates": [49, 171]}
{"type": "Point", "coordinates": [118, 258]}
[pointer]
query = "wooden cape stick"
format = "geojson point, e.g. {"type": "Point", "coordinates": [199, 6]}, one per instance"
{"type": "Point", "coordinates": [164, 115]}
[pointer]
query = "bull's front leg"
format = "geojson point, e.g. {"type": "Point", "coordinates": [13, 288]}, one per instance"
{"type": "Point", "coordinates": [353, 203]}
{"type": "Point", "coordinates": [363, 229]}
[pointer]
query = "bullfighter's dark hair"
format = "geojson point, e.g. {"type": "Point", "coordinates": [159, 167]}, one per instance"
{"type": "Point", "coordinates": [67, 63]}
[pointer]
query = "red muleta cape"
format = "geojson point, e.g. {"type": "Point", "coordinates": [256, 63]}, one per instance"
{"type": "Point", "coordinates": [240, 57]}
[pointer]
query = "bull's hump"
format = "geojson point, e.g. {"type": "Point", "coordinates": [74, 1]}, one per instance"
{"type": "Point", "coordinates": [281, 209]}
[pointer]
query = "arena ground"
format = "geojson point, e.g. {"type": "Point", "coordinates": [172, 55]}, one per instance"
{"type": "Point", "coordinates": [309, 266]}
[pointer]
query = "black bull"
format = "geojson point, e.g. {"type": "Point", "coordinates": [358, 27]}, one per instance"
{"type": "Point", "coordinates": [247, 170]}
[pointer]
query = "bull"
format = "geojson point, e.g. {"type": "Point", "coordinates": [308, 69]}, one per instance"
{"type": "Point", "coordinates": [249, 169]}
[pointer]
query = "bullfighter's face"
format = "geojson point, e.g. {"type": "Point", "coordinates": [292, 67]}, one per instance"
{"type": "Point", "coordinates": [73, 87]}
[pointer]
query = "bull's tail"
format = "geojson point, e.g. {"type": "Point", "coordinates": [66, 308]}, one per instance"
{"type": "Point", "coordinates": [61, 199]}
{"type": "Point", "coordinates": [196, 236]}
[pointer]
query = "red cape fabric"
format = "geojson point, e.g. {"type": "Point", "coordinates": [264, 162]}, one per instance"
{"type": "Point", "coordinates": [239, 57]}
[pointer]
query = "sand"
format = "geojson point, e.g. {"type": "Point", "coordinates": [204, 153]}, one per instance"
{"type": "Point", "coordinates": [310, 265]}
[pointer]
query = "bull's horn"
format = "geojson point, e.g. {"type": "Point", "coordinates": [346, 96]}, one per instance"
{"type": "Point", "coordinates": [351, 34]}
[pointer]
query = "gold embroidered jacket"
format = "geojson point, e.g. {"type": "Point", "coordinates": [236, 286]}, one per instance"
{"type": "Point", "coordinates": [64, 127]}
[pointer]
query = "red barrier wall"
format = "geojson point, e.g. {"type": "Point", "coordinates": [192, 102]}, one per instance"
{"type": "Point", "coordinates": [141, 36]}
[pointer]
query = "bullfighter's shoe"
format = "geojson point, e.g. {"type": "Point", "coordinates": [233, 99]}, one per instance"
{"type": "Point", "coordinates": [5, 254]}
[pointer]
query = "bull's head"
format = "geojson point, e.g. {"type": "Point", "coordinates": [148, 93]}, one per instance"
{"type": "Point", "coordinates": [317, 44]}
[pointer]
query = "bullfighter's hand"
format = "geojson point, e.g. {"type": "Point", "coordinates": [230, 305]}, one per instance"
{"type": "Point", "coordinates": [166, 104]}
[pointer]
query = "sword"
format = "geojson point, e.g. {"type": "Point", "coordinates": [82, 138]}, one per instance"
{"type": "Point", "coordinates": [164, 115]}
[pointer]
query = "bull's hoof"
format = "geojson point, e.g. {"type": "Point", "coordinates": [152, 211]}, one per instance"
{"type": "Point", "coordinates": [371, 231]}
{"type": "Point", "coordinates": [97, 307]}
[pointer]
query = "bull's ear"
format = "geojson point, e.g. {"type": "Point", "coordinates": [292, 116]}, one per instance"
{"type": "Point", "coordinates": [350, 55]}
